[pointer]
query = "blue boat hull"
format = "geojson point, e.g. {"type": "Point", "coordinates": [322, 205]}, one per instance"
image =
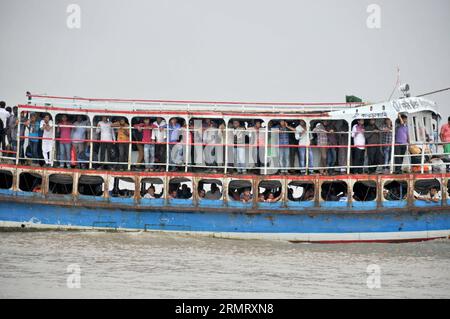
{"type": "Point", "coordinates": [313, 226]}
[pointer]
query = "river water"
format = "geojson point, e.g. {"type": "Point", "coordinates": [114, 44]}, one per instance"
{"type": "Point", "coordinates": [144, 265]}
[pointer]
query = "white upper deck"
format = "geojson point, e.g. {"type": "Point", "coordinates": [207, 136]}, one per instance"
{"type": "Point", "coordinates": [189, 106]}
{"type": "Point", "coordinates": [347, 111]}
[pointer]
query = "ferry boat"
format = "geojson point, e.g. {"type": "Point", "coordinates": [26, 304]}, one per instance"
{"type": "Point", "coordinates": [177, 189]}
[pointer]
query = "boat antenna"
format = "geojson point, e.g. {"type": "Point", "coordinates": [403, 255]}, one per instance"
{"type": "Point", "coordinates": [397, 83]}
{"type": "Point", "coordinates": [434, 92]}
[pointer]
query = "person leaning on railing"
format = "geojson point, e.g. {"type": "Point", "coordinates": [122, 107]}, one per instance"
{"type": "Point", "coordinates": [433, 195]}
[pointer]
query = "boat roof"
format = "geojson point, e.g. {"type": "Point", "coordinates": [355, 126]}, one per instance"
{"type": "Point", "coordinates": [232, 108]}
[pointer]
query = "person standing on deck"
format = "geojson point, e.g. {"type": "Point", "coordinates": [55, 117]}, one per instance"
{"type": "Point", "coordinates": [33, 126]}
{"type": "Point", "coordinates": [48, 143]}
{"type": "Point", "coordinates": [284, 145]}
{"type": "Point", "coordinates": [123, 139]}
{"type": "Point", "coordinates": [65, 143]}
{"type": "Point", "coordinates": [106, 137]}
{"type": "Point", "coordinates": [386, 140]}
{"type": "Point", "coordinates": [136, 138]}
{"type": "Point", "coordinates": [146, 129]}
{"type": "Point", "coordinates": [257, 138]}
{"type": "Point", "coordinates": [342, 139]}
{"type": "Point", "coordinates": [159, 137]}
{"type": "Point", "coordinates": [331, 153]}
{"type": "Point", "coordinates": [238, 138]}
{"type": "Point", "coordinates": [322, 143]}
{"type": "Point", "coordinates": [11, 129]}
{"type": "Point", "coordinates": [209, 139]}
{"type": "Point", "coordinates": [445, 136]}
{"type": "Point", "coordinates": [219, 149]}
{"type": "Point", "coordinates": [402, 141]}
{"type": "Point", "coordinates": [79, 135]}
{"type": "Point", "coordinates": [301, 134]}
{"type": "Point", "coordinates": [359, 140]}
{"type": "Point", "coordinates": [373, 137]}
{"type": "Point", "coordinates": [4, 115]}
{"type": "Point", "coordinates": [174, 138]}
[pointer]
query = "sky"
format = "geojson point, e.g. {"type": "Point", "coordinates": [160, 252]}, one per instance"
{"type": "Point", "coordinates": [233, 50]}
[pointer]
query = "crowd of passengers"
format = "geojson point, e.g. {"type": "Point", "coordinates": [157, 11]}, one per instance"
{"type": "Point", "coordinates": [370, 153]}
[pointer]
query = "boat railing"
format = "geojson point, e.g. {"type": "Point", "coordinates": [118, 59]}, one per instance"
{"type": "Point", "coordinates": [344, 159]}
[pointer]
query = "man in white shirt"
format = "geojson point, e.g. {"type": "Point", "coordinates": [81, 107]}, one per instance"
{"type": "Point", "coordinates": [4, 115]}
{"type": "Point", "coordinates": [359, 140]}
{"type": "Point", "coordinates": [47, 128]}
{"type": "Point", "coordinates": [301, 134]}
{"type": "Point", "coordinates": [238, 139]}
{"type": "Point", "coordinates": [159, 135]}
{"type": "Point", "coordinates": [104, 128]}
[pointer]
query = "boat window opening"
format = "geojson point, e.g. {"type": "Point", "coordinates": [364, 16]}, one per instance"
{"type": "Point", "coordinates": [180, 188]}
{"type": "Point", "coordinates": [240, 190]}
{"type": "Point", "coordinates": [365, 191]}
{"type": "Point", "coordinates": [281, 152]}
{"type": "Point", "coordinates": [244, 138]}
{"type": "Point", "coordinates": [208, 148]}
{"type": "Point", "coordinates": [152, 188]}
{"type": "Point", "coordinates": [91, 185]}
{"type": "Point", "coordinates": [299, 191]}
{"type": "Point", "coordinates": [368, 159]}
{"type": "Point", "coordinates": [6, 180]}
{"type": "Point", "coordinates": [324, 133]}
{"type": "Point", "coordinates": [424, 188]}
{"type": "Point", "coordinates": [210, 189]}
{"type": "Point", "coordinates": [269, 191]}
{"type": "Point", "coordinates": [395, 191]}
{"type": "Point", "coordinates": [113, 136]}
{"type": "Point", "coordinates": [30, 182]}
{"type": "Point", "coordinates": [60, 184]}
{"type": "Point", "coordinates": [121, 187]}
{"type": "Point", "coordinates": [29, 147]}
{"type": "Point", "coordinates": [335, 191]}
